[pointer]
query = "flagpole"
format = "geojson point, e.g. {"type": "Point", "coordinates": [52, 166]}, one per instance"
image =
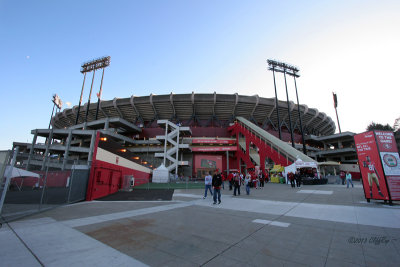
{"type": "Point", "coordinates": [335, 105]}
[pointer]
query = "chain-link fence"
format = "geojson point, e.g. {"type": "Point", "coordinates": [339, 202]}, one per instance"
{"type": "Point", "coordinates": [27, 192]}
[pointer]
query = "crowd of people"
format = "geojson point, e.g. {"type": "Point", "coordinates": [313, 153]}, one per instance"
{"type": "Point", "coordinates": [235, 181]}
{"type": "Point", "coordinates": [250, 180]}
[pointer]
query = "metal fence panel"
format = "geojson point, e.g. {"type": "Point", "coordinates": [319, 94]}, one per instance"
{"type": "Point", "coordinates": [29, 195]}
{"type": "Point", "coordinates": [79, 182]}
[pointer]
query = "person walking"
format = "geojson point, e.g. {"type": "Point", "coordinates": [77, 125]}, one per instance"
{"type": "Point", "coordinates": [236, 184]}
{"type": "Point", "coordinates": [230, 180]}
{"type": "Point", "coordinates": [262, 179]}
{"type": "Point", "coordinates": [254, 180]}
{"type": "Point", "coordinates": [223, 181]}
{"type": "Point", "coordinates": [291, 179]}
{"type": "Point", "coordinates": [297, 177]}
{"type": "Point", "coordinates": [342, 176]}
{"type": "Point", "coordinates": [247, 182]}
{"type": "Point", "coordinates": [207, 182]}
{"type": "Point", "coordinates": [348, 179]}
{"type": "Point", "coordinates": [216, 183]}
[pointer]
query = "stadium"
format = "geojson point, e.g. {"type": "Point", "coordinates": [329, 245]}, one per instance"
{"type": "Point", "coordinates": [190, 134]}
{"type": "Point", "coordinates": [95, 150]}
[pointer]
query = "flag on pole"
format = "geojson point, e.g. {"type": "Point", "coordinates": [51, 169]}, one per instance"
{"type": "Point", "coordinates": [334, 100]}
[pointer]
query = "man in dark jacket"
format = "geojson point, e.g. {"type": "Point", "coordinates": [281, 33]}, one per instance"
{"type": "Point", "coordinates": [216, 183]}
{"type": "Point", "coordinates": [237, 180]}
{"type": "Point", "coordinates": [297, 177]}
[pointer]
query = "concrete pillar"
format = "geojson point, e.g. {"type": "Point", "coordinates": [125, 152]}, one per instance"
{"type": "Point", "coordinates": [46, 153]}
{"type": "Point", "coordinates": [31, 151]}
{"type": "Point", "coordinates": [67, 147]}
{"type": "Point", "coordinates": [227, 163]}
{"type": "Point", "coordinates": [107, 124]}
{"type": "Point", "coordinates": [91, 149]}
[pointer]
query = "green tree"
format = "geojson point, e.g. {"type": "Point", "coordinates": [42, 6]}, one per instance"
{"type": "Point", "coordinates": [378, 126]}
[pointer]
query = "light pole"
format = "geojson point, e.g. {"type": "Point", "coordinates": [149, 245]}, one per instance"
{"type": "Point", "coordinates": [99, 95]}
{"type": "Point", "coordinates": [277, 106]}
{"type": "Point", "coordinates": [335, 105]}
{"type": "Point", "coordinates": [80, 100]}
{"type": "Point", "coordinates": [298, 111]}
{"type": "Point", "coordinates": [288, 107]}
{"type": "Point", "coordinates": [57, 103]}
{"type": "Point", "coordinates": [90, 94]}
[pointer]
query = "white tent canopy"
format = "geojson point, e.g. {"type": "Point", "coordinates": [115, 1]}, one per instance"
{"type": "Point", "coordinates": [300, 164]}
{"type": "Point", "coordinates": [12, 172]}
{"type": "Point", "coordinates": [160, 175]}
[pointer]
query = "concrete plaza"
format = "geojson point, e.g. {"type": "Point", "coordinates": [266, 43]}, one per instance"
{"type": "Point", "coordinates": [315, 225]}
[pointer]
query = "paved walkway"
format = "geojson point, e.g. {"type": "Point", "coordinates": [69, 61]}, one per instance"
{"type": "Point", "coordinates": [323, 225]}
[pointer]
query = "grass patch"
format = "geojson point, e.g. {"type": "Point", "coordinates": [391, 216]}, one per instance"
{"type": "Point", "coordinates": [182, 185]}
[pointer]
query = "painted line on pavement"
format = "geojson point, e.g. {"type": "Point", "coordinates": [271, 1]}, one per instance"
{"type": "Point", "coordinates": [319, 192]}
{"type": "Point", "coordinates": [187, 195]}
{"type": "Point", "coordinates": [381, 217]}
{"type": "Point", "coordinates": [275, 223]}
{"type": "Point", "coordinates": [123, 215]}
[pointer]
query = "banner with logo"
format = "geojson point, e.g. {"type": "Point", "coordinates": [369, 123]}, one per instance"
{"type": "Point", "coordinates": [208, 162]}
{"type": "Point", "coordinates": [379, 164]}
{"type": "Point", "coordinates": [390, 160]}
{"type": "Point", "coordinates": [374, 181]}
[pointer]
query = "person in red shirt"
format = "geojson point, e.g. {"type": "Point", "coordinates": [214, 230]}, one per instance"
{"type": "Point", "coordinates": [342, 176]}
{"type": "Point", "coordinates": [223, 181]}
{"type": "Point", "coordinates": [373, 176]}
{"type": "Point", "coordinates": [254, 180]}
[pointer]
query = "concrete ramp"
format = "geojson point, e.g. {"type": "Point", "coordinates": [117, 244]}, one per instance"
{"type": "Point", "coordinates": [282, 147]}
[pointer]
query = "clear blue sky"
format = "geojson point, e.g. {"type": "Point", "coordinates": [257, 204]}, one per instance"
{"type": "Point", "coordinates": [350, 47]}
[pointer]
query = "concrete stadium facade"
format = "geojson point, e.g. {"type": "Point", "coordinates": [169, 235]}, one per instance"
{"type": "Point", "coordinates": [204, 110]}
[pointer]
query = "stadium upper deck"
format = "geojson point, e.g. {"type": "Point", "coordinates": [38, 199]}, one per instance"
{"type": "Point", "coordinates": [205, 110]}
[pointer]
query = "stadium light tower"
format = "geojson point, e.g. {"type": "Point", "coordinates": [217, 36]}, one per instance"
{"type": "Point", "coordinates": [291, 71]}
{"type": "Point", "coordinates": [57, 103]}
{"type": "Point", "coordinates": [89, 66]}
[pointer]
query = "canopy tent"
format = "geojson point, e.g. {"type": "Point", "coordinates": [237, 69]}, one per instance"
{"type": "Point", "coordinates": [276, 173]}
{"type": "Point", "coordinates": [277, 168]}
{"type": "Point", "coordinates": [329, 163]}
{"type": "Point", "coordinates": [298, 164]}
{"type": "Point", "coordinates": [13, 172]}
{"type": "Point", "coordinates": [329, 167]}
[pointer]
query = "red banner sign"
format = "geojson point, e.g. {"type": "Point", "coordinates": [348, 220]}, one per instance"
{"type": "Point", "coordinates": [390, 160]}
{"type": "Point", "coordinates": [370, 166]}
{"type": "Point", "coordinates": [379, 164]}
{"type": "Point", "coordinates": [213, 148]}
{"type": "Point", "coordinates": [213, 141]}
